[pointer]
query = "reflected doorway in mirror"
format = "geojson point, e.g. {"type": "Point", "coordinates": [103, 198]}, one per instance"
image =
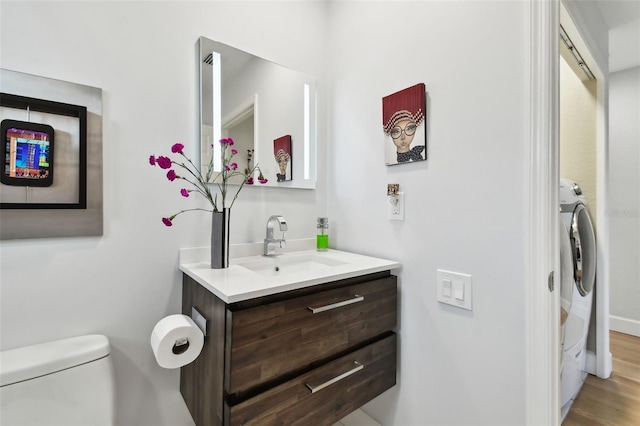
{"type": "Point", "coordinates": [283, 156]}
{"type": "Point", "coordinates": [241, 125]}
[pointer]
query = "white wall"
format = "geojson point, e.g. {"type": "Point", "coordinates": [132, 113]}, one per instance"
{"type": "Point", "coordinates": [588, 19]}
{"type": "Point", "coordinates": [465, 205]}
{"type": "Point", "coordinates": [624, 207]}
{"type": "Point", "coordinates": [578, 133]}
{"type": "Point", "coordinates": [144, 57]}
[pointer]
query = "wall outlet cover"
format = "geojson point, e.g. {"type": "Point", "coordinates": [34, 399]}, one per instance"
{"type": "Point", "coordinates": [396, 207]}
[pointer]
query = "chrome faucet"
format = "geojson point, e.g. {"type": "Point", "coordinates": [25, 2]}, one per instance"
{"type": "Point", "coordinates": [270, 242]}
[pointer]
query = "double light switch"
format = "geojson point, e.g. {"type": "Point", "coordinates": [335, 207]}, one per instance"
{"type": "Point", "coordinates": [454, 289]}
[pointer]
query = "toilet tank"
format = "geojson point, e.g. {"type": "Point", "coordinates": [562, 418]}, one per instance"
{"type": "Point", "coordinates": [67, 382]}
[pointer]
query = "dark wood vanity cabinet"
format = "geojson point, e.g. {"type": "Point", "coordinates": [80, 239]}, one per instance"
{"type": "Point", "coordinates": [309, 356]}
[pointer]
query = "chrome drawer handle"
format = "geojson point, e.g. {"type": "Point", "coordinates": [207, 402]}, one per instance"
{"type": "Point", "coordinates": [356, 299]}
{"type": "Point", "coordinates": [317, 388]}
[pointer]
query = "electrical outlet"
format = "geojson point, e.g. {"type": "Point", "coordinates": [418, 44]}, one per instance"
{"type": "Point", "coordinates": [396, 207]}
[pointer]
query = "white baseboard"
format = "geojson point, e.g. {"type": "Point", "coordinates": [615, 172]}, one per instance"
{"type": "Point", "coordinates": [590, 363]}
{"type": "Point", "coordinates": [624, 325]}
{"type": "Point", "coordinates": [357, 418]}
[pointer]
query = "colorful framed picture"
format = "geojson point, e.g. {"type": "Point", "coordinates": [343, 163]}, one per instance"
{"type": "Point", "coordinates": [27, 152]}
{"type": "Point", "coordinates": [282, 155]}
{"type": "Point", "coordinates": [404, 125]}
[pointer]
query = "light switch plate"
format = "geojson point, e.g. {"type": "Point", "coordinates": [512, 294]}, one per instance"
{"type": "Point", "coordinates": [454, 289]}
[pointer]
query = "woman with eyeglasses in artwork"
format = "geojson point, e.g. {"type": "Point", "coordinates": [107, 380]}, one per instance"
{"type": "Point", "coordinates": [403, 114]}
{"type": "Point", "coordinates": [282, 155]}
{"type": "Point", "coordinates": [282, 158]}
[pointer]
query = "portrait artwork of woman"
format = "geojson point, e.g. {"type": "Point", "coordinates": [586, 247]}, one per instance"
{"type": "Point", "coordinates": [282, 154]}
{"type": "Point", "coordinates": [403, 120]}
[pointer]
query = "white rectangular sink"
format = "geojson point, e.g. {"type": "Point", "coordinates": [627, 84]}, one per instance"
{"type": "Point", "coordinates": [282, 265]}
{"type": "Point", "coordinates": [256, 276]}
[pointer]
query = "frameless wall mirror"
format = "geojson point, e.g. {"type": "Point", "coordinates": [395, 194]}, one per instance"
{"type": "Point", "coordinates": [268, 110]}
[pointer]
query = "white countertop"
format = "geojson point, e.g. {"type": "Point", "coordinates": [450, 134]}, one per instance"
{"type": "Point", "coordinates": [267, 275]}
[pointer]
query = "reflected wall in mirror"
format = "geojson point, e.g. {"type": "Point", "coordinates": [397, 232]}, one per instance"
{"type": "Point", "coordinates": [255, 101]}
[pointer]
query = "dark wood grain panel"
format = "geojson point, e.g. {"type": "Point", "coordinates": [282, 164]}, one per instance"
{"type": "Point", "coordinates": [264, 300]}
{"type": "Point", "coordinates": [201, 382]}
{"type": "Point", "coordinates": [285, 336]}
{"type": "Point", "coordinates": [292, 403]}
{"type": "Point", "coordinates": [268, 342]}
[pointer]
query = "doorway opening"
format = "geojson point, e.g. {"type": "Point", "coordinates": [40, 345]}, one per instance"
{"type": "Point", "coordinates": [583, 159]}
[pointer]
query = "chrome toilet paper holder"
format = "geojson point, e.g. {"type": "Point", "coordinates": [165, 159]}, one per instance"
{"type": "Point", "coordinates": [199, 319]}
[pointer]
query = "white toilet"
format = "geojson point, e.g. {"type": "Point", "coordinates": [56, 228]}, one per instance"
{"type": "Point", "coordinates": [66, 382]}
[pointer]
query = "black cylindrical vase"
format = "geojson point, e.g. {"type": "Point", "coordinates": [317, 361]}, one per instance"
{"type": "Point", "coordinates": [220, 239]}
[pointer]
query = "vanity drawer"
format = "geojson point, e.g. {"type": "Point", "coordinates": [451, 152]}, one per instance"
{"type": "Point", "coordinates": [325, 394]}
{"type": "Point", "coordinates": [270, 342]}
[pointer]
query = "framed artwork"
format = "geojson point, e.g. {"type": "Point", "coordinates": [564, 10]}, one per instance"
{"type": "Point", "coordinates": [50, 158]}
{"type": "Point", "coordinates": [282, 154]}
{"type": "Point", "coordinates": [28, 155]}
{"type": "Point", "coordinates": [404, 125]}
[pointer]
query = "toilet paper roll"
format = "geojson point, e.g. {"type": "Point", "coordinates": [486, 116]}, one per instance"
{"type": "Point", "coordinates": [176, 341]}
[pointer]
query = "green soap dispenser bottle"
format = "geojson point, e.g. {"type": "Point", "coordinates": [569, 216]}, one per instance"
{"type": "Point", "coordinates": [322, 240]}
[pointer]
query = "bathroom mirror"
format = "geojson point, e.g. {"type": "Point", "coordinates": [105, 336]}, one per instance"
{"type": "Point", "coordinates": [269, 111]}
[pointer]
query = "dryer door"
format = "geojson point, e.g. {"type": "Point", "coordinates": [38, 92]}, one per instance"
{"type": "Point", "coordinates": [566, 271]}
{"type": "Point", "coordinates": [583, 246]}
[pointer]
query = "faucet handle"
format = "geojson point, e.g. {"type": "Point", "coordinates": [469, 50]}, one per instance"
{"type": "Point", "coordinates": [283, 223]}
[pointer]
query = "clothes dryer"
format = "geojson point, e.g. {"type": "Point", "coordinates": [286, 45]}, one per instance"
{"type": "Point", "coordinates": [580, 266]}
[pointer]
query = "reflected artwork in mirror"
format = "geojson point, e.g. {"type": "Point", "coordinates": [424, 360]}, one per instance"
{"type": "Point", "coordinates": [255, 101]}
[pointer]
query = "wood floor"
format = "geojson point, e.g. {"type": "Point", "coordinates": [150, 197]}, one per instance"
{"type": "Point", "coordinates": [616, 400]}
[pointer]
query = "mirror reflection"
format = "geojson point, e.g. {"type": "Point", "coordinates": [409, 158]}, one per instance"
{"type": "Point", "coordinates": [268, 110]}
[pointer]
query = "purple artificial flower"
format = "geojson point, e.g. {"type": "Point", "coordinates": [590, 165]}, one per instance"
{"type": "Point", "coordinates": [164, 162]}
{"type": "Point", "coordinates": [199, 182]}
{"type": "Point", "coordinates": [262, 179]}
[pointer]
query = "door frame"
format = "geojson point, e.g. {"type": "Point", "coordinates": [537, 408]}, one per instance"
{"type": "Point", "coordinates": [542, 343]}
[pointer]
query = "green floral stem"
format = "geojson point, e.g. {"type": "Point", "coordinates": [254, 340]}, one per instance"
{"type": "Point", "coordinates": [242, 184]}
{"type": "Point", "coordinates": [197, 177]}
{"type": "Point", "coordinates": [188, 210]}
{"type": "Point", "coordinates": [202, 190]}
{"type": "Point", "coordinates": [194, 167]}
